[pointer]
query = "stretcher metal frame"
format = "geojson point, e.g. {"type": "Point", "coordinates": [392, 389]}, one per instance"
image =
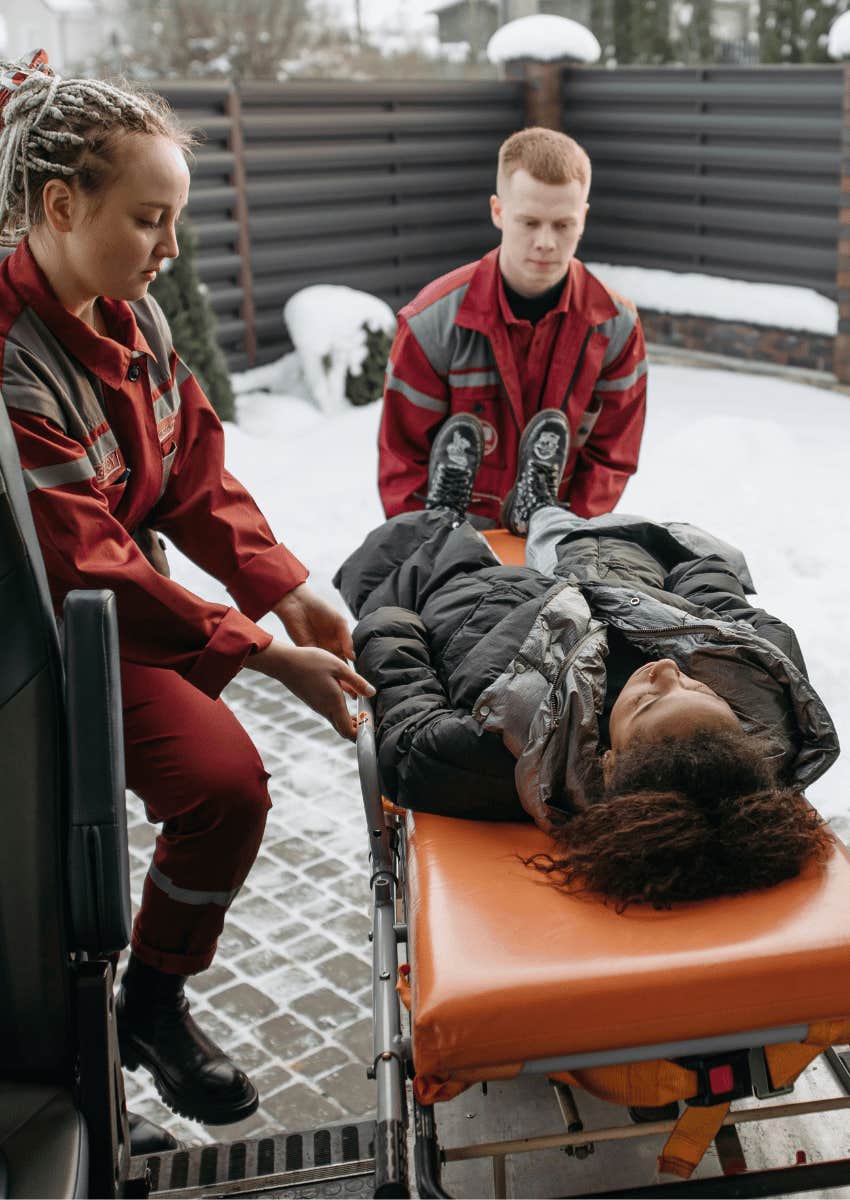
{"type": "Point", "coordinates": [392, 1065]}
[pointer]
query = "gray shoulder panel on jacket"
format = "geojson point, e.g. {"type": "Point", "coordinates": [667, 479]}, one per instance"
{"type": "Point", "coordinates": [40, 377]}
{"type": "Point", "coordinates": [434, 326]}
{"type": "Point", "coordinates": [618, 330]}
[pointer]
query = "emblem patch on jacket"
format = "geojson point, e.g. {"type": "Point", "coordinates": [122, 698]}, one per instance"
{"type": "Point", "coordinates": [491, 438]}
{"type": "Point", "coordinates": [165, 428]}
{"type": "Point", "coordinates": [109, 466]}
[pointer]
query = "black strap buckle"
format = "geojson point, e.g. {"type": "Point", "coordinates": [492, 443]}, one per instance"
{"type": "Point", "coordinates": [720, 1077]}
{"type": "Point", "coordinates": [763, 1085]}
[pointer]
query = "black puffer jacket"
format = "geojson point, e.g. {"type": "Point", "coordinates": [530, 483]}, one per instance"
{"type": "Point", "coordinates": [491, 680]}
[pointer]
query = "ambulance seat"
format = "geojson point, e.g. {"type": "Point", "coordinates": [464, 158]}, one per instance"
{"type": "Point", "coordinates": [64, 892]}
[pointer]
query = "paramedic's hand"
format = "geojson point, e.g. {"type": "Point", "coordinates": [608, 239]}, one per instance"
{"type": "Point", "coordinates": [318, 678]}
{"type": "Point", "coordinates": [311, 621]}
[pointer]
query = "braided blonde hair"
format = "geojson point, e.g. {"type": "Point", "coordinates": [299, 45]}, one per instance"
{"type": "Point", "coordinates": [70, 128]}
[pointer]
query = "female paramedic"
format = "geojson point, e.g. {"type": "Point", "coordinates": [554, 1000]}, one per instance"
{"type": "Point", "coordinates": [626, 695]}
{"type": "Point", "coordinates": [116, 441]}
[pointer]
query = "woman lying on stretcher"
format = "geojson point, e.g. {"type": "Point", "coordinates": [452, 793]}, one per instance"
{"type": "Point", "coordinates": [619, 689]}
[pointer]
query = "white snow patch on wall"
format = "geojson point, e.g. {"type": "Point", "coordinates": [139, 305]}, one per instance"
{"type": "Point", "coordinates": [774, 304]}
{"type": "Point", "coordinates": [545, 38]}
{"type": "Point", "coordinates": [326, 324]}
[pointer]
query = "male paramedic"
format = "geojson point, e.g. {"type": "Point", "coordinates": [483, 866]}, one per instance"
{"type": "Point", "coordinates": [525, 328]}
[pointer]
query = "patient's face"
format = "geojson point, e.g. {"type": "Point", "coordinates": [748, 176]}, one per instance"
{"type": "Point", "coordinates": [659, 701]}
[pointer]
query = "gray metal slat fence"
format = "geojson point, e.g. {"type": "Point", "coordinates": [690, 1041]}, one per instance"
{"type": "Point", "coordinates": [374, 186]}
{"type": "Point", "coordinates": [725, 171]}
{"type": "Point", "coordinates": [214, 210]}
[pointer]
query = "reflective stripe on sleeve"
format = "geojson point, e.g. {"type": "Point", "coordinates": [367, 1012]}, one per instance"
{"type": "Point", "coordinates": [189, 895]}
{"type": "Point", "coordinates": [67, 472]}
{"type": "Point", "coordinates": [466, 379]}
{"type": "Point", "coordinates": [621, 385]}
{"type": "Point", "coordinates": [103, 446]}
{"type": "Point", "coordinates": [420, 399]}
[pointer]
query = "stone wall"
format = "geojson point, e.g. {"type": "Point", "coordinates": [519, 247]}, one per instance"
{"type": "Point", "coordinates": [736, 339]}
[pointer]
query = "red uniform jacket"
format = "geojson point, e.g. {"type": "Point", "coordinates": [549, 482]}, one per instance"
{"type": "Point", "coordinates": [114, 433]}
{"type": "Point", "coordinates": [459, 348]}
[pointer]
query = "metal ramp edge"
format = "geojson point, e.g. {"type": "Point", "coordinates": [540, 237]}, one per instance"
{"type": "Point", "coordinates": [334, 1160]}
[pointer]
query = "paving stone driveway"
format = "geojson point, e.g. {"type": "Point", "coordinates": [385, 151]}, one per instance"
{"type": "Point", "coordinates": [289, 992]}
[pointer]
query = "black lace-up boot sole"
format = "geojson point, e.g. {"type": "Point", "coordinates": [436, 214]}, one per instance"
{"type": "Point", "coordinates": [452, 466]}
{"type": "Point", "coordinates": [528, 463]}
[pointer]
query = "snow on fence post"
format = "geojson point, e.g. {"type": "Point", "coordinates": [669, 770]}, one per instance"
{"type": "Point", "coordinates": [841, 353]}
{"type": "Point", "coordinates": [233, 108]}
{"type": "Point", "coordinates": [535, 49]}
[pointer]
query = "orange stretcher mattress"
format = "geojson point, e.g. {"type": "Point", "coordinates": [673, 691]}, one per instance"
{"type": "Point", "coordinates": [507, 970]}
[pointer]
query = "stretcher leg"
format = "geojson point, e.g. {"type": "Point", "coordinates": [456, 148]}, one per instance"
{"type": "Point", "coordinates": [427, 1153]}
{"type": "Point", "coordinates": [390, 1048]}
{"type": "Point", "coordinates": [500, 1177]}
{"type": "Point", "coordinates": [839, 1064]}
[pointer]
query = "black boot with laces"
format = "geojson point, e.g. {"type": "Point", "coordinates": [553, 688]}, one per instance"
{"type": "Point", "coordinates": [543, 452]}
{"type": "Point", "coordinates": [455, 458]}
{"type": "Point", "coordinates": [191, 1073]}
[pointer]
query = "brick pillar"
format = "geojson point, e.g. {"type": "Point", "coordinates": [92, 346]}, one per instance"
{"type": "Point", "coordinates": [841, 353]}
{"type": "Point", "coordinates": [542, 82]}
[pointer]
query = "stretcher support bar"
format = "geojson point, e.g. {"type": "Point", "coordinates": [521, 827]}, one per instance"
{"type": "Point", "coordinates": [614, 1133]}
{"type": "Point", "coordinates": [695, 1046]}
{"type": "Point", "coordinates": [778, 1181]}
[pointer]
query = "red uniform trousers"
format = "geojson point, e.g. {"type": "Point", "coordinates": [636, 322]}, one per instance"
{"type": "Point", "coordinates": [198, 773]}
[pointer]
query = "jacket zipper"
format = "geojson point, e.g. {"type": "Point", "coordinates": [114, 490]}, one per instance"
{"type": "Point", "coordinates": [562, 670]}
{"type": "Point", "coordinates": [674, 629]}
{"type": "Point", "coordinates": [576, 368]}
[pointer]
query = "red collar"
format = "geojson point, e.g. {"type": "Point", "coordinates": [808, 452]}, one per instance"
{"type": "Point", "coordinates": [106, 357]}
{"type": "Point", "coordinates": [485, 303]}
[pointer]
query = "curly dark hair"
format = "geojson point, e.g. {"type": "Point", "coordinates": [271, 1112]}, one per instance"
{"type": "Point", "coordinates": [687, 819]}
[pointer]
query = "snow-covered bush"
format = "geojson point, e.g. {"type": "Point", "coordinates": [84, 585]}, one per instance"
{"type": "Point", "coordinates": [342, 338]}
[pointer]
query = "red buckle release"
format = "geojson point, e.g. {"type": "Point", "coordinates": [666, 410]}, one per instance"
{"type": "Point", "coordinates": [721, 1079]}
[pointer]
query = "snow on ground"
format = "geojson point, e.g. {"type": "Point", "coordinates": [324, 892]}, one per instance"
{"type": "Point", "coordinates": [774, 304]}
{"type": "Point", "coordinates": [758, 460]}
{"type": "Point", "coordinates": [545, 38]}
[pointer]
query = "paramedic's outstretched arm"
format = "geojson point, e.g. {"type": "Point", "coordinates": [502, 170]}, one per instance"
{"type": "Point", "coordinates": [318, 678]}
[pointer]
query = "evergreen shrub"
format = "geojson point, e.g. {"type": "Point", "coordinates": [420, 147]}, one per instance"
{"type": "Point", "coordinates": [184, 300]}
{"type": "Point", "coordinates": [368, 384]}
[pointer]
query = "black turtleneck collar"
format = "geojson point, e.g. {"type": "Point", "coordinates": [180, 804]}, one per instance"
{"type": "Point", "coordinates": [532, 308]}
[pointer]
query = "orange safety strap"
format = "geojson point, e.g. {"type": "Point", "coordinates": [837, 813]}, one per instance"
{"type": "Point", "coordinates": [693, 1133]}
{"type": "Point", "coordinates": [402, 986]}
{"type": "Point", "coordinates": [657, 1081]}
